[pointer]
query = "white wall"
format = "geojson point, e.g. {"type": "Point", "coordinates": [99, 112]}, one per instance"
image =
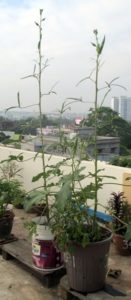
{"type": "Point", "coordinates": [31, 167]}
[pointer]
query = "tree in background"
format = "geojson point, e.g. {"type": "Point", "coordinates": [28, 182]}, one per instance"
{"type": "Point", "coordinates": [111, 124]}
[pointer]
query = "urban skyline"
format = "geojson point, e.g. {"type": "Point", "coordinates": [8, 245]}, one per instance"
{"type": "Point", "coordinates": [122, 105]}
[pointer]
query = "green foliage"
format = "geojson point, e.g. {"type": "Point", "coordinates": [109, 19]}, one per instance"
{"type": "Point", "coordinates": [128, 232]}
{"type": "Point", "coordinates": [121, 212]}
{"type": "Point", "coordinates": [70, 220]}
{"type": "Point", "coordinates": [109, 123]}
{"type": "Point", "coordinates": [68, 215]}
{"type": "Point", "coordinates": [26, 126]}
{"type": "Point", "coordinates": [31, 226]}
{"type": "Point", "coordinates": [48, 184]}
{"type": "Point", "coordinates": [11, 190]}
{"type": "Point", "coordinates": [35, 197]}
{"type": "Point", "coordinates": [71, 223]}
{"type": "Point", "coordinates": [121, 161]}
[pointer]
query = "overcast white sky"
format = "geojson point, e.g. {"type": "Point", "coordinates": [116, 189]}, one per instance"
{"type": "Point", "coordinates": [67, 36]}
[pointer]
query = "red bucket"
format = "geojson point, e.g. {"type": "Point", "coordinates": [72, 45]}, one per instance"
{"type": "Point", "coordinates": [45, 254]}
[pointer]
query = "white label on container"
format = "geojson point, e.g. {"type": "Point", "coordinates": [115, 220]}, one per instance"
{"type": "Point", "coordinates": [36, 249]}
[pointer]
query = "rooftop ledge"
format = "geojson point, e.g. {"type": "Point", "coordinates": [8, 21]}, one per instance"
{"type": "Point", "coordinates": [30, 167]}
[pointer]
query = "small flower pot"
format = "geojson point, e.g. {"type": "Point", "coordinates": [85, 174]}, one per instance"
{"type": "Point", "coordinates": [123, 247]}
{"type": "Point", "coordinates": [6, 223]}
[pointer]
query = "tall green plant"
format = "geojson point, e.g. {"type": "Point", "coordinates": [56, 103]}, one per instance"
{"type": "Point", "coordinates": [99, 48]}
{"type": "Point", "coordinates": [48, 171]}
{"type": "Point", "coordinates": [47, 189]}
{"type": "Point", "coordinates": [40, 106]}
{"type": "Point", "coordinates": [71, 220]}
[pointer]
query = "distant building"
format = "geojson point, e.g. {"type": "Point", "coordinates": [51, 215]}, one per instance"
{"type": "Point", "coordinates": [9, 134]}
{"type": "Point", "coordinates": [108, 147]}
{"type": "Point", "coordinates": [33, 143]}
{"type": "Point", "coordinates": [84, 132]}
{"type": "Point", "coordinates": [122, 105]}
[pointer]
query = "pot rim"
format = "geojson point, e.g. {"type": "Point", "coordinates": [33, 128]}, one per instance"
{"type": "Point", "coordinates": [95, 243]}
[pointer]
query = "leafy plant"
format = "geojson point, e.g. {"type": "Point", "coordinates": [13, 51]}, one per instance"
{"type": "Point", "coordinates": [71, 220]}
{"type": "Point", "coordinates": [44, 194]}
{"type": "Point", "coordinates": [121, 161]}
{"type": "Point", "coordinates": [11, 190]}
{"type": "Point", "coordinates": [121, 211]}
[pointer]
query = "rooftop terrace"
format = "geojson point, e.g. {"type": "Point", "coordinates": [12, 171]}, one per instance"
{"type": "Point", "coordinates": [15, 282]}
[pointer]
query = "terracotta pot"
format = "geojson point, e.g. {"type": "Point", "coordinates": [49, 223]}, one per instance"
{"type": "Point", "coordinates": [121, 244]}
{"type": "Point", "coordinates": [87, 267]}
{"type": "Point", "coordinates": [6, 223]}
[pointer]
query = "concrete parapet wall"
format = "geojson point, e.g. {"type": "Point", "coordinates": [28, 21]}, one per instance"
{"type": "Point", "coordinates": [31, 167]}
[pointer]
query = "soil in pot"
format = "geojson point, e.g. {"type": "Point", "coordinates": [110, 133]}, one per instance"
{"type": "Point", "coordinates": [122, 245]}
{"type": "Point", "coordinates": [87, 267]}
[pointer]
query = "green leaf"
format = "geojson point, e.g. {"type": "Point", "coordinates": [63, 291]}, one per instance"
{"type": "Point", "coordinates": [95, 31]}
{"type": "Point", "coordinates": [13, 157]}
{"type": "Point", "coordinates": [35, 198]}
{"type": "Point", "coordinates": [128, 232]}
{"type": "Point", "coordinates": [63, 195]}
{"type": "Point", "coordinates": [39, 45]}
{"type": "Point", "coordinates": [18, 99]}
{"type": "Point", "coordinates": [107, 176]}
{"type": "Point", "coordinates": [37, 177]}
{"type": "Point", "coordinates": [36, 24]}
{"type": "Point", "coordinates": [102, 45]}
{"type": "Point", "coordinates": [36, 155]}
{"type": "Point", "coordinates": [41, 11]}
{"type": "Point", "coordinates": [94, 45]}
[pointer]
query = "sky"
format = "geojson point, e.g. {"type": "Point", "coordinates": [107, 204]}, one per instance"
{"type": "Point", "coordinates": [67, 36]}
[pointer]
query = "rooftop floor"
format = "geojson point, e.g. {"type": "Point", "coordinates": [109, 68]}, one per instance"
{"type": "Point", "coordinates": [18, 284]}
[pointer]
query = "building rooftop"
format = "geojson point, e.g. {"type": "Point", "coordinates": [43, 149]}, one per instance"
{"type": "Point", "coordinates": [17, 283]}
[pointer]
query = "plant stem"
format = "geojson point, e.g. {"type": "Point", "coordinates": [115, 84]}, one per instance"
{"type": "Point", "coordinates": [95, 140]}
{"type": "Point", "coordinates": [40, 114]}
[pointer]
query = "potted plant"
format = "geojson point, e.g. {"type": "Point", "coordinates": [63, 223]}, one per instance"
{"type": "Point", "coordinates": [10, 186]}
{"type": "Point", "coordinates": [121, 212]}
{"type": "Point", "coordinates": [6, 216]}
{"type": "Point", "coordinates": [11, 194]}
{"type": "Point", "coordinates": [44, 252]}
{"type": "Point", "coordinates": [78, 233]}
{"type": "Point", "coordinates": [6, 219]}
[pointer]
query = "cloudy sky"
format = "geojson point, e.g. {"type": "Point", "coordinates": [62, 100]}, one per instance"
{"type": "Point", "coordinates": [67, 37]}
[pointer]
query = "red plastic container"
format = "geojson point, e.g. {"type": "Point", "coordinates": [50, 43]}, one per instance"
{"type": "Point", "coordinates": [45, 254]}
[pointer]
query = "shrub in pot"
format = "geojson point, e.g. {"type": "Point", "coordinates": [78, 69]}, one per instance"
{"type": "Point", "coordinates": [121, 211]}
{"type": "Point", "coordinates": [6, 217]}
{"type": "Point", "coordinates": [79, 234]}
{"type": "Point", "coordinates": [10, 186]}
{"type": "Point", "coordinates": [11, 193]}
{"type": "Point", "coordinates": [85, 245]}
